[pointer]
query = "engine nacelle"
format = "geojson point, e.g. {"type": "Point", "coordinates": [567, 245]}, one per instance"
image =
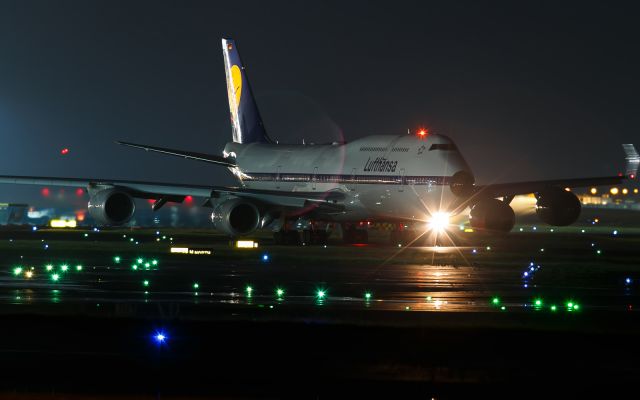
{"type": "Point", "coordinates": [235, 217]}
{"type": "Point", "coordinates": [558, 207]}
{"type": "Point", "coordinates": [111, 207]}
{"type": "Point", "coordinates": [462, 184]}
{"type": "Point", "coordinates": [491, 215]}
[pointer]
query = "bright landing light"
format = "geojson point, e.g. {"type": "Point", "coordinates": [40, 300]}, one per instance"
{"type": "Point", "coordinates": [439, 221]}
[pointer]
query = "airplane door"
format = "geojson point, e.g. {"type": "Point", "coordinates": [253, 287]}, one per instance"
{"type": "Point", "coordinates": [352, 181]}
{"type": "Point", "coordinates": [314, 178]}
{"type": "Point", "coordinates": [401, 180]}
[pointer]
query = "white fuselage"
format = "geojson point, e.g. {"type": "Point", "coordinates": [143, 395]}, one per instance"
{"type": "Point", "coordinates": [383, 177]}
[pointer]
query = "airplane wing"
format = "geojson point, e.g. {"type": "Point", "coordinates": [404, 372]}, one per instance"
{"type": "Point", "coordinates": [516, 188]}
{"type": "Point", "coordinates": [512, 189]}
{"type": "Point", "coordinates": [177, 192]}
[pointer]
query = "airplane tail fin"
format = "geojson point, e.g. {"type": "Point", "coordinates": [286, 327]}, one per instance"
{"type": "Point", "coordinates": [246, 122]}
{"type": "Point", "coordinates": [633, 160]}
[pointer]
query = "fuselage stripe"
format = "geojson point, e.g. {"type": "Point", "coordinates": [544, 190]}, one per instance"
{"type": "Point", "coordinates": [346, 179]}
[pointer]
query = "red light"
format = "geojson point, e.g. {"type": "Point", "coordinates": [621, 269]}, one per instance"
{"type": "Point", "coordinates": [64, 151]}
{"type": "Point", "coordinates": [632, 176]}
{"type": "Point", "coordinates": [188, 199]}
{"type": "Point", "coordinates": [45, 192]}
{"type": "Point", "coordinates": [620, 174]}
{"type": "Point", "coordinates": [79, 192]}
{"type": "Point", "coordinates": [151, 201]}
{"type": "Point", "coordinates": [422, 132]}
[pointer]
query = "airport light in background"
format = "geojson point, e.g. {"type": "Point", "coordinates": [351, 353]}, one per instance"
{"type": "Point", "coordinates": [593, 191]}
{"type": "Point", "coordinates": [248, 290]}
{"type": "Point", "coordinates": [614, 191]}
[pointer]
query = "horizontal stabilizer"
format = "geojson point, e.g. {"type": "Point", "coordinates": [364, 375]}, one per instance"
{"type": "Point", "coordinates": [210, 158]}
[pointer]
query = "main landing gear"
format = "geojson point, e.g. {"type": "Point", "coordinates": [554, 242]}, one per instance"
{"type": "Point", "coordinates": [312, 234]}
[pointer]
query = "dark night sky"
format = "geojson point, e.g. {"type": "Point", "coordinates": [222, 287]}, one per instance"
{"type": "Point", "coordinates": [527, 92]}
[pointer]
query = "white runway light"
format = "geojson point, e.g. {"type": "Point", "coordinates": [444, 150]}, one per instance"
{"type": "Point", "coordinates": [439, 221]}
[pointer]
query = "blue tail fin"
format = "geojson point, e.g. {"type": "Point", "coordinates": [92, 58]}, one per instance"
{"type": "Point", "coordinates": [245, 119]}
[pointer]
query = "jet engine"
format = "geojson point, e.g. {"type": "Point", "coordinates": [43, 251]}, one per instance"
{"type": "Point", "coordinates": [111, 207]}
{"type": "Point", "coordinates": [558, 207]}
{"type": "Point", "coordinates": [235, 217]}
{"type": "Point", "coordinates": [462, 184]}
{"type": "Point", "coordinates": [491, 215]}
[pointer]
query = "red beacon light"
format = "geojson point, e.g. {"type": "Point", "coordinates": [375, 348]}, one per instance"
{"type": "Point", "coordinates": [64, 151]}
{"type": "Point", "coordinates": [422, 133]}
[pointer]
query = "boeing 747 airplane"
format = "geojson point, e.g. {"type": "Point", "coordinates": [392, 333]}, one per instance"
{"type": "Point", "coordinates": [300, 191]}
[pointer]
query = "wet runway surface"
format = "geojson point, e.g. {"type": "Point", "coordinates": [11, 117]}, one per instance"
{"type": "Point", "coordinates": [512, 275]}
{"type": "Point", "coordinates": [302, 322]}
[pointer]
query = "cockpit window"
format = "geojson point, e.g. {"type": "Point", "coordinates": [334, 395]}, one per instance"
{"type": "Point", "coordinates": [443, 146]}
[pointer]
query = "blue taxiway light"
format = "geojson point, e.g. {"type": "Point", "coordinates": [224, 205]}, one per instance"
{"type": "Point", "coordinates": [160, 337]}
{"type": "Point", "coordinates": [265, 257]}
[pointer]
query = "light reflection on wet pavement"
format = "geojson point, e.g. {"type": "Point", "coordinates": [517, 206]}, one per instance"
{"type": "Point", "coordinates": [391, 286]}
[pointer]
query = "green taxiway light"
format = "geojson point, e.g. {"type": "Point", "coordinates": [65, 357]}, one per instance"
{"type": "Point", "coordinates": [495, 301]}
{"type": "Point", "coordinates": [569, 305]}
{"type": "Point", "coordinates": [55, 277]}
{"type": "Point", "coordinates": [17, 270]}
{"type": "Point", "coordinates": [554, 308]}
{"type": "Point", "coordinates": [49, 267]}
{"type": "Point", "coordinates": [64, 267]}
{"type": "Point", "coordinates": [145, 283]}
{"type": "Point", "coordinates": [576, 307]}
{"type": "Point", "coordinates": [367, 296]}
{"type": "Point", "coordinates": [503, 308]}
{"type": "Point", "coordinates": [116, 259]}
{"type": "Point", "coordinates": [279, 292]}
{"type": "Point", "coordinates": [140, 260]}
{"type": "Point", "coordinates": [538, 303]}
{"type": "Point", "coordinates": [78, 267]}
{"type": "Point", "coordinates": [134, 267]}
{"type": "Point", "coordinates": [154, 262]}
{"type": "Point", "coordinates": [249, 289]}
{"type": "Point", "coordinates": [320, 294]}
{"type": "Point", "coordinates": [196, 285]}
{"type": "Point", "coordinates": [147, 265]}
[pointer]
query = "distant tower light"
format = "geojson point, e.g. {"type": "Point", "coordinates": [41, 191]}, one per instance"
{"type": "Point", "coordinates": [64, 151]}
